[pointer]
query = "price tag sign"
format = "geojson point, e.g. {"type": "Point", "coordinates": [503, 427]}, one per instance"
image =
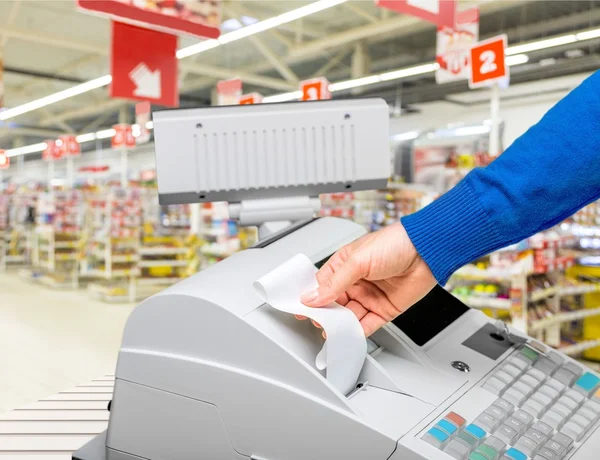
{"type": "Point", "coordinates": [68, 146]}
{"type": "Point", "coordinates": [252, 98]}
{"type": "Point", "coordinates": [123, 138]}
{"type": "Point", "coordinates": [315, 89]}
{"type": "Point", "coordinates": [488, 65]}
{"type": "Point", "coordinates": [4, 160]}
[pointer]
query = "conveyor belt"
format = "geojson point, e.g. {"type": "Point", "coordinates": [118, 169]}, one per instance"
{"type": "Point", "coordinates": [53, 428]}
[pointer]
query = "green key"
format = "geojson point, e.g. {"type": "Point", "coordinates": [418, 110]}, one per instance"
{"type": "Point", "coordinates": [477, 456]}
{"type": "Point", "coordinates": [469, 439]}
{"type": "Point", "coordinates": [530, 354]}
{"type": "Point", "coordinates": [489, 452]}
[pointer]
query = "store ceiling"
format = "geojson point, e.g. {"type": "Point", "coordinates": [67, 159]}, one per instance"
{"type": "Point", "coordinates": [50, 46]}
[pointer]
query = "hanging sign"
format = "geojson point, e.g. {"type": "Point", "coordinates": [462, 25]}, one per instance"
{"type": "Point", "coordinates": [51, 152]}
{"type": "Point", "coordinates": [488, 65]}
{"type": "Point", "coordinates": [229, 91]}
{"type": "Point", "coordinates": [123, 137]}
{"type": "Point", "coordinates": [453, 49]}
{"type": "Point", "coordinates": [68, 146]}
{"type": "Point", "coordinates": [200, 18]}
{"type": "Point", "coordinates": [439, 12]}
{"type": "Point", "coordinates": [4, 160]}
{"type": "Point", "coordinates": [143, 65]}
{"type": "Point", "coordinates": [142, 117]}
{"type": "Point", "coordinates": [315, 89]}
{"type": "Point", "coordinates": [251, 98]}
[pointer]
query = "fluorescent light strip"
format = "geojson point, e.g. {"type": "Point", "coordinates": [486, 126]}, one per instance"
{"type": "Point", "coordinates": [283, 97]}
{"type": "Point", "coordinates": [33, 148]}
{"type": "Point", "coordinates": [541, 44]}
{"type": "Point", "coordinates": [56, 97]}
{"type": "Point", "coordinates": [86, 137]}
{"type": "Point", "coordinates": [105, 133]}
{"type": "Point", "coordinates": [517, 59]}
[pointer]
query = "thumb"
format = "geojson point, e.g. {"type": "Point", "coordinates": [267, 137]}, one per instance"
{"type": "Point", "coordinates": [334, 284]}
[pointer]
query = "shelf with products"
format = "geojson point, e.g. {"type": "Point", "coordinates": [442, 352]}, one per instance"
{"type": "Point", "coordinates": [59, 238]}
{"type": "Point", "coordinates": [16, 228]}
{"type": "Point", "coordinates": [113, 220]}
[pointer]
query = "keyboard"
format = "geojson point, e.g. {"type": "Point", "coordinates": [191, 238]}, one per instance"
{"type": "Point", "coordinates": [545, 406]}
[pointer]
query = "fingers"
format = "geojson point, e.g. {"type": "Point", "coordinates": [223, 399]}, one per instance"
{"type": "Point", "coordinates": [340, 275]}
{"type": "Point", "coordinates": [371, 323]}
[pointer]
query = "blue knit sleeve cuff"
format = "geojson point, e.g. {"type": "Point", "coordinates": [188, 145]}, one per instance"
{"type": "Point", "coordinates": [452, 231]}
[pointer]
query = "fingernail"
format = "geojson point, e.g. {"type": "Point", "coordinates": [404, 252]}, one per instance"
{"type": "Point", "coordinates": [309, 296]}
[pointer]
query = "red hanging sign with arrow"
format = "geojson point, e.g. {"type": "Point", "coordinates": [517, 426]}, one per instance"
{"type": "Point", "coordinates": [144, 65]}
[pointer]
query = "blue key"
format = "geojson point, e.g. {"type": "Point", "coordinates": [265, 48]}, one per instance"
{"type": "Point", "coordinates": [515, 454]}
{"type": "Point", "coordinates": [447, 426]}
{"type": "Point", "coordinates": [588, 382]}
{"type": "Point", "coordinates": [475, 431]}
{"type": "Point", "coordinates": [438, 434]}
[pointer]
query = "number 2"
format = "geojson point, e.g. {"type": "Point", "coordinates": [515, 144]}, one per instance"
{"type": "Point", "coordinates": [488, 62]}
{"type": "Point", "coordinates": [312, 93]}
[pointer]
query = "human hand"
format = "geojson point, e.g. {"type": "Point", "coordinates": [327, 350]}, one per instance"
{"type": "Point", "coordinates": [377, 276]}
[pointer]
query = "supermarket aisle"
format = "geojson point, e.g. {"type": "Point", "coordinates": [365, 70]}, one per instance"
{"type": "Point", "coordinates": [53, 340]}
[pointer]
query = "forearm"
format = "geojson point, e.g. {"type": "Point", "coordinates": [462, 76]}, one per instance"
{"type": "Point", "coordinates": [545, 176]}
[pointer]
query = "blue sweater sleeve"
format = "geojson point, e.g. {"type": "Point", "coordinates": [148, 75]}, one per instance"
{"type": "Point", "coordinates": [546, 175]}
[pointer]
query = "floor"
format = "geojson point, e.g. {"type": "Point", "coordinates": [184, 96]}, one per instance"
{"type": "Point", "coordinates": [53, 340]}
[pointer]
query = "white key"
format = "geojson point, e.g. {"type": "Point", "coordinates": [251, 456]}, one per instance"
{"type": "Point", "coordinates": [519, 363]}
{"type": "Point", "coordinates": [589, 414]}
{"type": "Point", "coordinates": [568, 402]}
{"type": "Point", "coordinates": [550, 392]}
{"type": "Point", "coordinates": [487, 422]}
{"type": "Point", "coordinates": [554, 419]}
{"type": "Point", "coordinates": [562, 410]}
{"type": "Point", "coordinates": [534, 408]}
{"type": "Point", "coordinates": [494, 385]}
{"type": "Point", "coordinates": [457, 450]}
{"type": "Point", "coordinates": [514, 397]}
{"type": "Point", "coordinates": [581, 421]}
{"type": "Point", "coordinates": [512, 370]}
{"type": "Point", "coordinates": [506, 434]}
{"type": "Point", "coordinates": [496, 412]}
{"type": "Point", "coordinates": [542, 399]}
{"type": "Point", "coordinates": [575, 396]}
{"type": "Point", "coordinates": [530, 381]}
{"type": "Point", "coordinates": [593, 406]}
{"type": "Point", "coordinates": [537, 374]}
{"type": "Point", "coordinates": [504, 376]}
{"type": "Point", "coordinates": [573, 431]}
{"type": "Point", "coordinates": [527, 446]}
{"type": "Point", "coordinates": [525, 389]}
{"type": "Point", "coordinates": [553, 383]}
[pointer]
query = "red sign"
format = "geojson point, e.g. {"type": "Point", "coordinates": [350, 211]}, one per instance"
{"type": "Point", "coordinates": [142, 117]}
{"type": "Point", "coordinates": [4, 160]}
{"type": "Point", "coordinates": [123, 137]}
{"type": "Point", "coordinates": [487, 62]}
{"type": "Point", "coordinates": [51, 152]}
{"type": "Point", "coordinates": [315, 89]}
{"type": "Point", "coordinates": [252, 98]}
{"type": "Point", "coordinates": [440, 12]}
{"type": "Point", "coordinates": [453, 48]}
{"type": "Point", "coordinates": [68, 145]}
{"type": "Point", "coordinates": [144, 65]}
{"type": "Point", "coordinates": [229, 91]}
{"type": "Point", "coordinates": [194, 17]}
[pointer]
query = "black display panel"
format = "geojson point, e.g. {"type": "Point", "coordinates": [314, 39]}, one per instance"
{"type": "Point", "coordinates": [430, 316]}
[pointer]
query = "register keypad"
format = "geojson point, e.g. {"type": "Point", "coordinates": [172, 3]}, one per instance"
{"type": "Point", "coordinates": [544, 406]}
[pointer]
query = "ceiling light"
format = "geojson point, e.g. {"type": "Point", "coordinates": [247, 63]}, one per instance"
{"type": "Point", "coordinates": [572, 54]}
{"type": "Point", "coordinates": [284, 97]}
{"type": "Point", "coordinates": [56, 97]}
{"type": "Point", "coordinates": [105, 133]}
{"type": "Point", "coordinates": [547, 62]}
{"type": "Point", "coordinates": [541, 44]}
{"type": "Point", "coordinates": [197, 48]}
{"type": "Point", "coordinates": [472, 130]}
{"type": "Point", "coordinates": [342, 85]}
{"type": "Point", "coordinates": [86, 137]}
{"type": "Point", "coordinates": [517, 59]}
{"type": "Point", "coordinates": [407, 136]}
{"type": "Point", "coordinates": [33, 148]}
{"type": "Point", "coordinates": [588, 35]}
{"type": "Point", "coordinates": [409, 72]}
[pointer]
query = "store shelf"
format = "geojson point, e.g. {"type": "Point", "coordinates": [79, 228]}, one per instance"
{"type": "Point", "coordinates": [541, 294]}
{"type": "Point", "coordinates": [486, 302]}
{"type": "Point", "coordinates": [563, 317]}
{"type": "Point", "coordinates": [119, 273]}
{"type": "Point", "coordinates": [162, 251]}
{"type": "Point", "coordinates": [577, 290]}
{"type": "Point", "coordinates": [579, 347]}
{"type": "Point", "coordinates": [163, 263]}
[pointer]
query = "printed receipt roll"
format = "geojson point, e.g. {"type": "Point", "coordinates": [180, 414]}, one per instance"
{"type": "Point", "coordinates": [345, 349]}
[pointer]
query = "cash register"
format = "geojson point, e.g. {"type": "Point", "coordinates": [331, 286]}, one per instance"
{"type": "Point", "coordinates": [212, 368]}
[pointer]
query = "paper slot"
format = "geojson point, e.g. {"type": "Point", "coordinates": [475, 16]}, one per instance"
{"type": "Point", "coordinates": [345, 349]}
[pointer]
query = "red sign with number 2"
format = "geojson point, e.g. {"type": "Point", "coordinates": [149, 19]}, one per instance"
{"type": "Point", "coordinates": [487, 62]}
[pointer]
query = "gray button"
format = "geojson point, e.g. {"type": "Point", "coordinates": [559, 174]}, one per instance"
{"type": "Point", "coordinates": [553, 383]}
{"type": "Point", "coordinates": [587, 413]}
{"type": "Point", "coordinates": [545, 365]}
{"type": "Point", "coordinates": [507, 434]}
{"type": "Point", "coordinates": [529, 381]}
{"type": "Point", "coordinates": [543, 428]}
{"type": "Point", "coordinates": [536, 436]}
{"type": "Point", "coordinates": [573, 431]}
{"type": "Point", "coordinates": [518, 361]}
{"type": "Point", "coordinates": [547, 454]}
{"type": "Point", "coordinates": [514, 371]}
{"type": "Point", "coordinates": [435, 442]}
{"type": "Point", "coordinates": [562, 410]}
{"type": "Point", "coordinates": [563, 440]}
{"type": "Point", "coordinates": [568, 402]}
{"type": "Point", "coordinates": [504, 405]}
{"type": "Point", "coordinates": [574, 395]}
{"type": "Point", "coordinates": [513, 396]}
{"type": "Point", "coordinates": [575, 368]}
{"type": "Point", "coordinates": [457, 449]}
{"type": "Point", "coordinates": [504, 376]}
{"type": "Point", "coordinates": [554, 419]}
{"type": "Point", "coordinates": [527, 446]}
{"type": "Point", "coordinates": [538, 375]}
{"type": "Point", "coordinates": [496, 412]}
{"type": "Point", "coordinates": [533, 407]}
{"type": "Point", "coordinates": [581, 421]}
{"type": "Point", "coordinates": [525, 389]}
{"type": "Point", "coordinates": [516, 424]}
{"type": "Point", "coordinates": [523, 416]}
{"type": "Point", "coordinates": [487, 422]}
{"type": "Point", "coordinates": [550, 392]}
{"type": "Point", "coordinates": [495, 443]}
{"type": "Point", "coordinates": [555, 447]}
{"type": "Point", "coordinates": [565, 376]}
{"type": "Point", "coordinates": [556, 357]}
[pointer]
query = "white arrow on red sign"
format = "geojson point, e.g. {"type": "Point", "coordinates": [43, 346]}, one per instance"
{"type": "Point", "coordinates": [148, 83]}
